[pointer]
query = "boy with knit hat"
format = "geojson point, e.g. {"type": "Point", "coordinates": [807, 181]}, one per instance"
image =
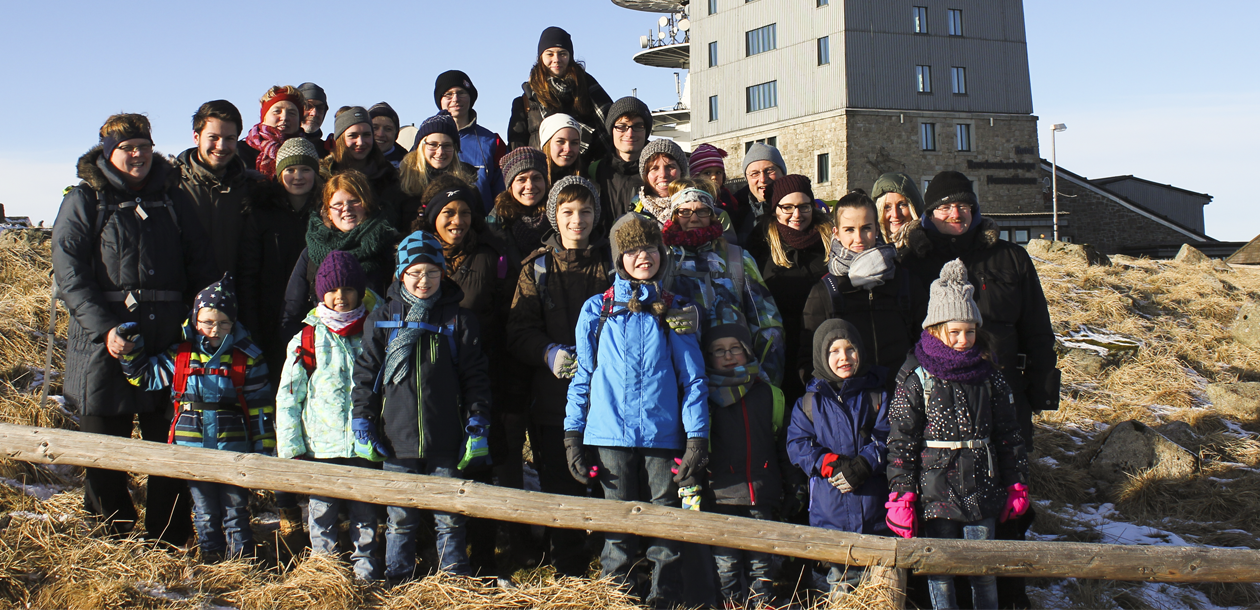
{"type": "Point", "coordinates": [629, 123]}
{"type": "Point", "coordinates": [313, 405]}
{"type": "Point", "coordinates": [385, 126]}
{"type": "Point", "coordinates": [638, 399]}
{"type": "Point", "coordinates": [218, 381]}
{"type": "Point", "coordinates": [422, 396]}
{"type": "Point", "coordinates": [479, 147]}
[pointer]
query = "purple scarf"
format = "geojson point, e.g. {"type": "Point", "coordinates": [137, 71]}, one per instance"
{"type": "Point", "coordinates": [949, 364]}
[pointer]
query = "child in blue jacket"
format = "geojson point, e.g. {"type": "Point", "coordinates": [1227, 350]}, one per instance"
{"type": "Point", "coordinates": [838, 435]}
{"type": "Point", "coordinates": [638, 398]}
{"type": "Point", "coordinates": [223, 400]}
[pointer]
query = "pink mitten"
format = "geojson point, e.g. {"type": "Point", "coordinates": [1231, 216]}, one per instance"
{"type": "Point", "coordinates": [901, 518]}
{"type": "Point", "coordinates": [1016, 501]}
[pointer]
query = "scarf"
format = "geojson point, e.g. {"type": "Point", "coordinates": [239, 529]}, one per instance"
{"type": "Point", "coordinates": [866, 269]}
{"type": "Point", "coordinates": [674, 235]}
{"type": "Point", "coordinates": [658, 207]}
{"type": "Point", "coordinates": [727, 387]}
{"type": "Point", "coordinates": [529, 230]}
{"type": "Point", "coordinates": [345, 324]}
{"type": "Point", "coordinates": [398, 352]}
{"type": "Point", "coordinates": [799, 240]}
{"type": "Point", "coordinates": [369, 243]}
{"type": "Point", "coordinates": [949, 364]}
{"type": "Point", "coordinates": [266, 140]}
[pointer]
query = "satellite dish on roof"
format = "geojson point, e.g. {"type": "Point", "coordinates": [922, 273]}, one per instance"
{"type": "Point", "coordinates": [660, 35]}
{"type": "Point", "coordinates": [663, 21]}
{"type": "Point", "coordinates": [643, 42]}
{"type": "Point", "coordinates": [684, 24]}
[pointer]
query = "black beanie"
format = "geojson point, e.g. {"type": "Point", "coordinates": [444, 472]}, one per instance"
{"type": "Point", "coordinates": [949, 187]}
{"type": "Point", "coordinates": [555, 37]}
{"type": "Point", "coordinates": [454, 78]}
{"type": "Point", "coordinates": [464, 193]}
{"type": "Point", "coordinates": [632, 106]}
{"type": "Point", "coordinates": [387, 111]}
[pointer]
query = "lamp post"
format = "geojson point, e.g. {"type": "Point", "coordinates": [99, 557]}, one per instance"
{"type": "Point", "coordinates": [1054, 175]}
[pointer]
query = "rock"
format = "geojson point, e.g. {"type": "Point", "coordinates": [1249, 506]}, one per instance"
{"type": "Point", "coordinates": [1246, 328]}
{"type": "Point", "coordinates": [1221, 266]}
{"type": "Point", "coordinates": [1088, 361]}
{"type": "Point", "coordinates": [1132, 447]}
{"type": "Point", "coordinates": [1124, 259]}
{"type": "Point", "coordinates": [1179, 432]}
{"type": "Point", "coordinates": [1240, 400]}
{"type": "Point", "coordinates": [1084, 253]}
{"type": "Point", "coordinates": [1191, 255]}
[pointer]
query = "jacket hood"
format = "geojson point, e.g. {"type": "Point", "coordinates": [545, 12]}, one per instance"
{"type": "Point", "coordinates": [99, 174]}
{"type": "Point", "coordinates": [828, 333]}
{"type": "Point", "coordinates": [919, 241]}
{"type": "Point", "coordinates": [193, 169]}
{"type": "Point", "coordinates": [239, 338]}
{"type": "Point", "coordinates": [869, 380]}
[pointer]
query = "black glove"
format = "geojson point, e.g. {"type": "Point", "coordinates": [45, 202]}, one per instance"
{"type": "Point", "coordinates": [855, 471]}
{"type": "Point", "coordinates": [691, 467]}
{"type": "Point", "coordinates": [575, 453]}
{"type": "Point", "coordinates": [795, 498]}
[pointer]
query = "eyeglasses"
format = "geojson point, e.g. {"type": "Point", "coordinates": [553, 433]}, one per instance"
{"type": "Point", "coordinates": [770, 174]}
{"type": "Point", "coordinates": [450, 95]}
{"type": "Point", "coordinates": [954, 207]}
{"type": "Point", "coordinates": [700, 213]}
{"type": "Point", "coordinates": [803, 208]}
{"type": "Point", "coordinates": [208, 325]}
{"type": "Point", "coordinates": [622, 127]}
{"type": "Point", "coordinates": [341, 205]}
{"type": "Point", "coordinates": [432, 275]}
{"type": "Point", "coordinates": [640, 251]}
{"type": "Point", "coordinates": [431, 147]}
{"type": "Point", "coordinates": [143, 149]}
{"type": "Point", "coordinates": [734, 352]}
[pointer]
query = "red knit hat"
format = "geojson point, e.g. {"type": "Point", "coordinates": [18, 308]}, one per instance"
{"type": "Point", "coordinates": [791, 183]}
{"type": "Point", "coordinates": [706, 156]}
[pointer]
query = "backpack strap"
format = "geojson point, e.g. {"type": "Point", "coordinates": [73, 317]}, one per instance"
{"type": "Point", "coordinates": [240, 363]}
{"type": "Point", "coordinates": [179, 383]}
{"type": "Point", "coordinates": [540, 281]}
{"type": "Point", "coordinates": [807, 405]}
{"type": "Point", "coordinates": [876, 398]}
{"type": "Point", "coordinates": [735, 268]}
{"type": "Point", "coordinates": [777, 400]}
{"type": "Point", "coordinates": [306, 350]}
{"type": "Point", "coordinates": [395, 323]}
{"type": "Point", "coordinates": [605, 310]}
{"type": "Point", "coordinates": [833, 290]}
{"type": "Point", "coordinates": [926, 382]}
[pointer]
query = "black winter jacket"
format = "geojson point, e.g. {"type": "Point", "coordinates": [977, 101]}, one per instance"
{"type": "Point", "coordinates": [387, 191]}
{"type": "Point", "coordinates": [954, 484]}
{"type": "Point", "coordinates": [619, 182]}
{"type": "Point", "coordinates": [220, 203]}
{"type": "Point", "coordinates": [528, 114]}
{"type": "Point", "coordinates": [165, 251]}
{"type": "Point", "coordinates": [446, 393]}
{"type": "Point", "coordinates": [748, 461]}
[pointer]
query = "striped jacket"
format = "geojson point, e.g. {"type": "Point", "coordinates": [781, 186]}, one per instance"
{"type": "Point", "coordinates": [209, 410]}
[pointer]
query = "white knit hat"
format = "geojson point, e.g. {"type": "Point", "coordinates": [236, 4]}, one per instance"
{"type": "Point", "coordinates": [951, 297]}
{"type": "Point", "coordinates": [554, 123]}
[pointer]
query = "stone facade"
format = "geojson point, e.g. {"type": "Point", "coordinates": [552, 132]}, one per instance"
{"type": "Point", "coordinates": [1098, 220]}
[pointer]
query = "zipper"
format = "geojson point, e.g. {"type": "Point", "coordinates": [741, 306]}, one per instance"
{"type": "Point", "coordinates": [752, 496]}
{"type": "Point", "coordinates": [874, 335]}
{"type": "Point", "coordinates": [420, 402]}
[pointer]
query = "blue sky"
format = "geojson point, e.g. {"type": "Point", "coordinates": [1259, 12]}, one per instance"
{"type": "Point", "coordinates": [1158, 89]}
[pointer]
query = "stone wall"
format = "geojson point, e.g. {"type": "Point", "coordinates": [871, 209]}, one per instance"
{"type": "Point", "coordinates": [1108, 226]}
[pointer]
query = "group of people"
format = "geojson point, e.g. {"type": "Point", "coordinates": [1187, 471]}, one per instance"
{"type": "Point", "coordinates": [602, 296]}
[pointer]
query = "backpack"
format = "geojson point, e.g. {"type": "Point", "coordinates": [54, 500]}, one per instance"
{"type": "Point", "coordinates": [734, 271]}
{"type": "Point", "coordinates": [306, 350]}
{"type": "Point", "coordinates": [540, 278]}
{"type": "Point", "coordinates": [183, 369]}
{"type": "Point", "coordinates": [875, 396]}
{"type": "Point", "coordinates": [606, 311]}
{"type": "Point", "coordinates": [776, 414]}
{"type": "Point", "coordinates": [396, 322]}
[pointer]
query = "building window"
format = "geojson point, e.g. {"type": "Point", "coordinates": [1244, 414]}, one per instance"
{"type": "Point", "coordinates": [713, 108]}
{"type": "Point", "coordinates": [713, 54]}
{"type": "Point", "coordinates": [1021, 236]}
{"type": "Point", "coordinates": [923, 78]}
{"type": "Point", "coordinates": [772, 141]}
{"type": "Point", "coordinates": [962, 137]}
{"type": "Point", "coordinates": [712, 7]}
{"type": "Point", "coordinates": [824, 168]}
{"type": "Point", "coordinates": [920, 20]}
{"type": "Point", "coordinates": [958, 79]}
{"type": "Point", "coordinates": [760, 40]}
{"type": "Point", "coordinates": [824, 50]}
{"type": "Point", "coordinates": [955, 22]}
{"type": "Point", "coordinates": [822, 3]}
{"type": "Point", "coordinates": [765, 95]}
{"type": "Point", "coordinates": [927, 136]}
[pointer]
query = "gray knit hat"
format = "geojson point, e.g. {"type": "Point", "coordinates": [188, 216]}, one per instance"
{"type": "Point", "coordinates": [351, 117]}
{"type": "Point", "coordinates": [951, 297]}
{"type": "Point", "coordinates": [555, 194]}
{"type": "Point", "coordinates": [522, 159]}
{"type": "Point", "coordinates": [668, 147]}
{"type": "Point", "coordinates": [628, 105]}
{"type": "Point", "coordinates": [689, 195]}
{"type": "Point", "coordinates": [296, 151]}
{"type": "Point", "coordinates": [764, 152]}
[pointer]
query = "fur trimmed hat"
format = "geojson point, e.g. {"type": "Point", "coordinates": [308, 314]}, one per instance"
{"type": "Point", "coordinates": [419, 247]}
{"type": "Point", "coordinates": [951, 297]}
{"type": "Point", "coordinates": [554, 196]}
{"type": "Point", "coordinates": [220, 295]}
{"type": "Point", "coordinates": [631, 232]}
{"type": "Point", "coordinates": [663, 146]}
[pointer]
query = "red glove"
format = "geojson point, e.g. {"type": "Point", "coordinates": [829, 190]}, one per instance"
{"type": "Point", "coordinates": [1016, 502]}
{"type": "Point", "coordinates": [828, 465]}
{"type": "Point", "coordinates": [901, 516]}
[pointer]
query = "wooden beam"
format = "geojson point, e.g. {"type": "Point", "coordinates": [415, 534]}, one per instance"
{"type": "Point", "coordinates": [923, 556]}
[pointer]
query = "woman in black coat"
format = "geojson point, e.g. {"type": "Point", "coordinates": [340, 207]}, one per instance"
{"type": "Point", "coordinates": [127, 247]}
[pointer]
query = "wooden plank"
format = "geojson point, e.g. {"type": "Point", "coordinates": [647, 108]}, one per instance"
{"type": "Point", "coordinates": [892, 581]}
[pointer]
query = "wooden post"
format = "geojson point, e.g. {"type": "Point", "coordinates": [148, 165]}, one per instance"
{"type": "Point", "coordinates": [924, 556]}
{"type": "Point", "coordinates": [892, 580]}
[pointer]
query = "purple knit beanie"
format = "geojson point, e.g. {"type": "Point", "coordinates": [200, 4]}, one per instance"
{"type": "Point", "coordinates": [339, 270]}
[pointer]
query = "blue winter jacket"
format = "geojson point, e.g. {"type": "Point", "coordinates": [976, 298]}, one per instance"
{"type": "Point", "coordinates": [839, 419]}
{"type": "Point", "coordinates": [482, 148]}
{"type": "Point", "coordinates": [649, 389]}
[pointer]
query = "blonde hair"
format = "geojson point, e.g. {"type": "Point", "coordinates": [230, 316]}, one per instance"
{"type": "Point", "coordinates": [984, 342]}
{"type": "Point", "coordinates": [415, 173]}
{"type": "Point", "coordinates": [693, 182]}
{"type": "Point", "coordinates": [286, 89]}
{"type": "Point", "coordinates": [818, 222]}
{"type": "Point", "coordinates": [880, 205]}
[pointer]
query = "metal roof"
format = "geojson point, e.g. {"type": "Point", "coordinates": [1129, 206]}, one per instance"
{"type": "Point", "coordinates": [677, 56]}
{"type": "Point", "coordinates": [650, 6]}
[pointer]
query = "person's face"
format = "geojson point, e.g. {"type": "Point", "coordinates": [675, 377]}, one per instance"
{"type": "Point", "coordinates": [297, 179]}
{"type": "Point", "coordinates": [453, 222]}
{"type": "Point", "coordinates": [556, 60]}
{"type": "Point", "coordinates": [661, 171]}
{"type": "Point", "coordinates": [629, 134]}
{"type": "Point", "coordinates": [641, 263]}
{"type": "Point", "coordinates": [346, 211]}
{"type": "Point", "coordinates": [896, 212]}
{"type": "Point", "coordinates": [359, 141]}
{"type": "Point", "coordinates": [693, 215]}
{"type": "Point", "coordinates": [214, 325]}
{"type": "Point", "coordinates": [422, 279]}
{"type": "Point", "coordinates": [842, 357]}
{"type": "Point", "coordinates": [855, 228]}
{"type": "Point", "coordinates": [716, 175]}
{"type": "Point", "coordinates": [285, 117]}
{"type": "Point", "coordinates": [216, 144]}
{"type": "Point", "coordinates": [796, 210]}
{"type": "Point", "coordinates": [438, 150]}
{"type": "Point", "coordinates": [529, 188]}
{"type": "Point", "coordinates": [760, 174]}
{"type": "Point", "coordinates": [565, 146]}
{"type": "Point", "coordinates": [575, 219]}
{"type": "Point", "coordinates": [313, 116]}
{"type": "Point", "coordinates": [726, 354]}
{"type": "Point", "coordinates": [133, 158]}
{"type": "Point", "coordinates": [952, 218]}
{"type": "Point", "coordinates": [342, 299]}
{"type": "Point", "coordinates": [384, 132]}
{"type": "Point", "coordinates": [458, 102]}
{"type": "Point", "coordinates": [959, 335]}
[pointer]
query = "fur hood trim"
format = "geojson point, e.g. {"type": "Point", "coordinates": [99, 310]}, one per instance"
{"type": "Point", "coordinates": [94, 177]}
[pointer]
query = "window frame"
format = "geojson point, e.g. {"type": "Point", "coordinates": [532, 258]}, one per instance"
{"type": "Point", "coordinates": [920, 20]}
{"type": "Point", "coordinates": [771, 141]}
{"type": "Point", "coordinates": [713, 108]}
{"type": "Point", "coordinates": [822, 168]}
{"type": "Point", "coordinates": [824, 51]}
{"type": "Point", "coordinates": [769, 93]}
{"type": "Point", "coordinates": [767, 37]}
{"type": "Point", "coordinates": [713, 54]}
{"type": "Point", "coordinates": [963, 141]}
{"type": "Point", "coordinates": [923, 79]}
{"type": "Point", "coordinates": [958, 80]}
{"type": "Point", "coordinates": [954, 21]}
{"type": "Point", "coordinates": [927, 137]}
{"type": "Point", "coordinates": [713, 7]}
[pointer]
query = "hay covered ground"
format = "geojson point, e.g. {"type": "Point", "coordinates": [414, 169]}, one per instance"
{"type": "Point", "coordinates": [1178, 314]}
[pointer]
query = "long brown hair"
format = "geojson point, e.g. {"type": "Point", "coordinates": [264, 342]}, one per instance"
{"type": "Point", "coordinates": [508, 210]}
{"type": "Point", "coordinates": [539, 81]}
